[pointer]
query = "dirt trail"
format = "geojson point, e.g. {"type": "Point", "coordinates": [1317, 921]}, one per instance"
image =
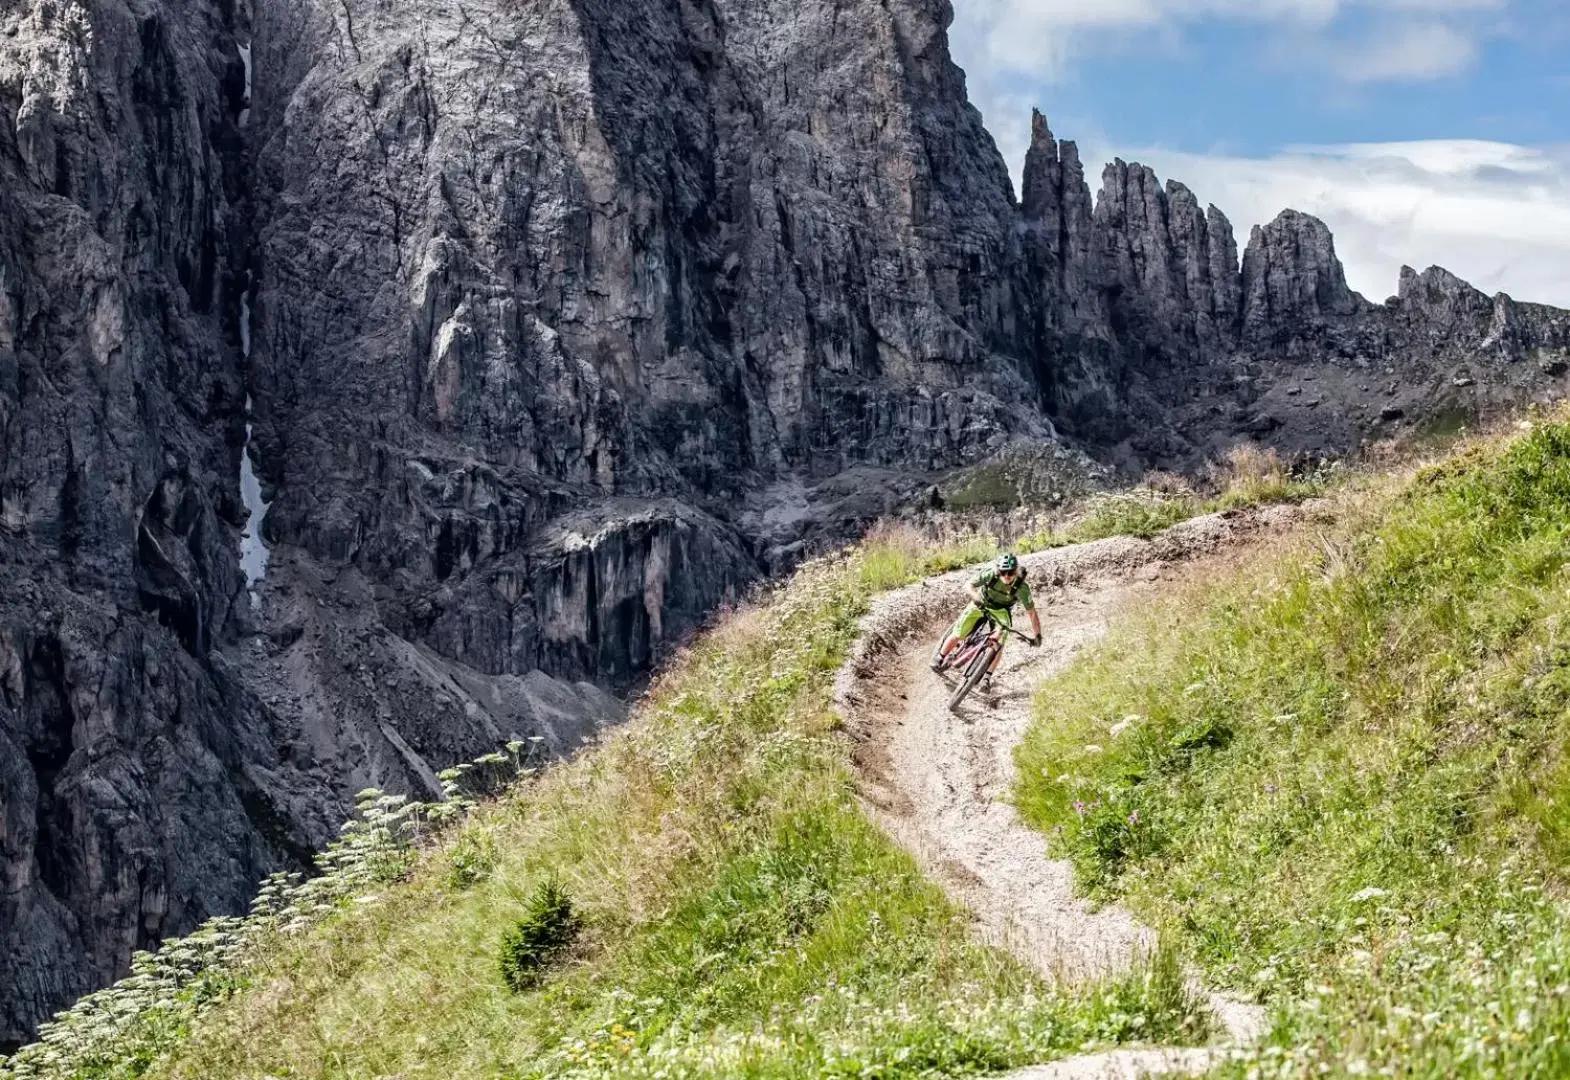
{"type": "Point", "coordinates": [940, 782]}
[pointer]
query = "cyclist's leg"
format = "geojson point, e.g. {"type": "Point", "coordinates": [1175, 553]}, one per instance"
{"type": "Point", "coordinates": [959, 631]}
{"type": "Point", "coordinates": [1007, 620]}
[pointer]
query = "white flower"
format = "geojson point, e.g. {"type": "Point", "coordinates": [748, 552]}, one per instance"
{"type": "Point", "coordinates": [1370, 893]}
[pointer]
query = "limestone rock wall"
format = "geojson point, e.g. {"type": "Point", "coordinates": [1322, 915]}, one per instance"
{"type": "Point", "coordinates": [118, 384]}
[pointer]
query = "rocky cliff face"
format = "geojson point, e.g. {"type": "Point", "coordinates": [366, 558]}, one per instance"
{"type": "Point", "coordinates": [593, 255]}
{"type": "Point", "coordinates": [560, 322]}
{"type": "Point", "coordinates": [156, 755]}
{"type": "Point", "coordinates": [116, 574]}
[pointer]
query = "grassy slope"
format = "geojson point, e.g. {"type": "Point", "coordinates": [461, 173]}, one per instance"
{"type": "Point", "coordinates": [1341, 778]}
{"type": "Point", "coordinates": [742, 917]}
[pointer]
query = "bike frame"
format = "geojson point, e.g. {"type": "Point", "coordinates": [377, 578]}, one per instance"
{"type": "Point", "coordinates": [989, 629]}
{"type": "Point", "coordinates": [975, 658]}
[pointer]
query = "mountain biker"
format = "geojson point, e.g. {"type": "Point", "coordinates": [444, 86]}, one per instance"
{"type": "Point", "coordinates": [993, 592]}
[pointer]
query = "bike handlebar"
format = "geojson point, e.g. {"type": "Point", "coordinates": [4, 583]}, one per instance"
{"type": "Point", "coordinates": [1005, 628]}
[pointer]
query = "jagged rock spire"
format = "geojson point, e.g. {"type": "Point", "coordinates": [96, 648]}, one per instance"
{"type": "Point", "coordinates": [1042, 188]}
{"type": "Point", "coordinates": [1292, 279]}
{"type": "Point", "coordinates": [1173, 265]}
{"type": "Point", "coordinates": [1057, 207]}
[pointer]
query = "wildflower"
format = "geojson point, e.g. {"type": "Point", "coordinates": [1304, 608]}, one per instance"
{"type": "Point", "coordinates": [1370, 893]}
{"type": "Point", "coordinates": [1123, 725]}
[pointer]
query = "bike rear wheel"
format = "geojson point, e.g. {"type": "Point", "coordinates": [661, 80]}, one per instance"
{"type": "Point", "coordinates": [974, 673]}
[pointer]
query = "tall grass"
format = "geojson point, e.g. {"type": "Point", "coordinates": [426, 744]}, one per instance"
{"type": "Point", "coordinates": [1251, 476]}
{"type": "Point", "coordinates": [1246, 477]}
{"type": "Point", "coordinates": [894, 554]}
{"type": "Point", "coordinates": [1340, 777]}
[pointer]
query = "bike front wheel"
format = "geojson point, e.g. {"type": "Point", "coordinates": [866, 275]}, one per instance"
{"type": "Point", "coordinates": [974, 673]}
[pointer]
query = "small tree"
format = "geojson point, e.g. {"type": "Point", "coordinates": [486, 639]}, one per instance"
{"type": "Point", "coordinates": [548, 925]}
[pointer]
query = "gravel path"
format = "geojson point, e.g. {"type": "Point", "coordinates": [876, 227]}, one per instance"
{"type": "Point", "coordinates": [939, 781]}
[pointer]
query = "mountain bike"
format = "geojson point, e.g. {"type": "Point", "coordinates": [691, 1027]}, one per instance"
{"type": "Point", "coordinates": [975, 656]}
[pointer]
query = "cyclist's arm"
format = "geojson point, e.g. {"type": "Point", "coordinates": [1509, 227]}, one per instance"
{"type": "Point", "coordinates": [977, 591]}
{"type": "Point", "coordinates": [1030, 609]}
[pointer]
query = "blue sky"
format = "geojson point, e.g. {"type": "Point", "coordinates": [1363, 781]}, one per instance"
{"type": "Point", "coordinates": [1423, 131]}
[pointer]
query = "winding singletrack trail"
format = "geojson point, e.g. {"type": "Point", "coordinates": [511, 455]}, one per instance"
{"type": "Point", "coordinates": [940, 782]}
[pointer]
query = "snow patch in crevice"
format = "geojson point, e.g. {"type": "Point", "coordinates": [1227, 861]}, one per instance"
{"type": "Point", "coordinates": [245, 58]}
{"type": "Point", "coordinates": [245, 335]}
{"type": "Point", "coordinates": [254, 554]}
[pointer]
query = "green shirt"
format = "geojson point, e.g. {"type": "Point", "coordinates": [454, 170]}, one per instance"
{"type": "Point", "coordinates": [995, 594]}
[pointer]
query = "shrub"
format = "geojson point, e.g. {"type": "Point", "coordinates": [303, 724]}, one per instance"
{"type": "Point", "coordinates": [1139, 512]}
{"type": "Point", "coordinates": [1168, 483]}
{"type": "Point", "coordinates": [472, 859]}
{"type": "Point", "coordinates": [549, 924]}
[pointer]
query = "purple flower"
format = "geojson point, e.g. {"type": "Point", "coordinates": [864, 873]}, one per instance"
{"type": "Point", "coordinates": [1133, 819]}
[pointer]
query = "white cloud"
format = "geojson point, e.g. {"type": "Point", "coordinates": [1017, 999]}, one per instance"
{"type": "Point", "coordinates": [1409, 52]}
{"type": "Point", "coordinates": [1493, 213]}
{"type": "Point", "coordinates": [1039, 37]}
{"type": "Point", "coordinates": [1068, 14]}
